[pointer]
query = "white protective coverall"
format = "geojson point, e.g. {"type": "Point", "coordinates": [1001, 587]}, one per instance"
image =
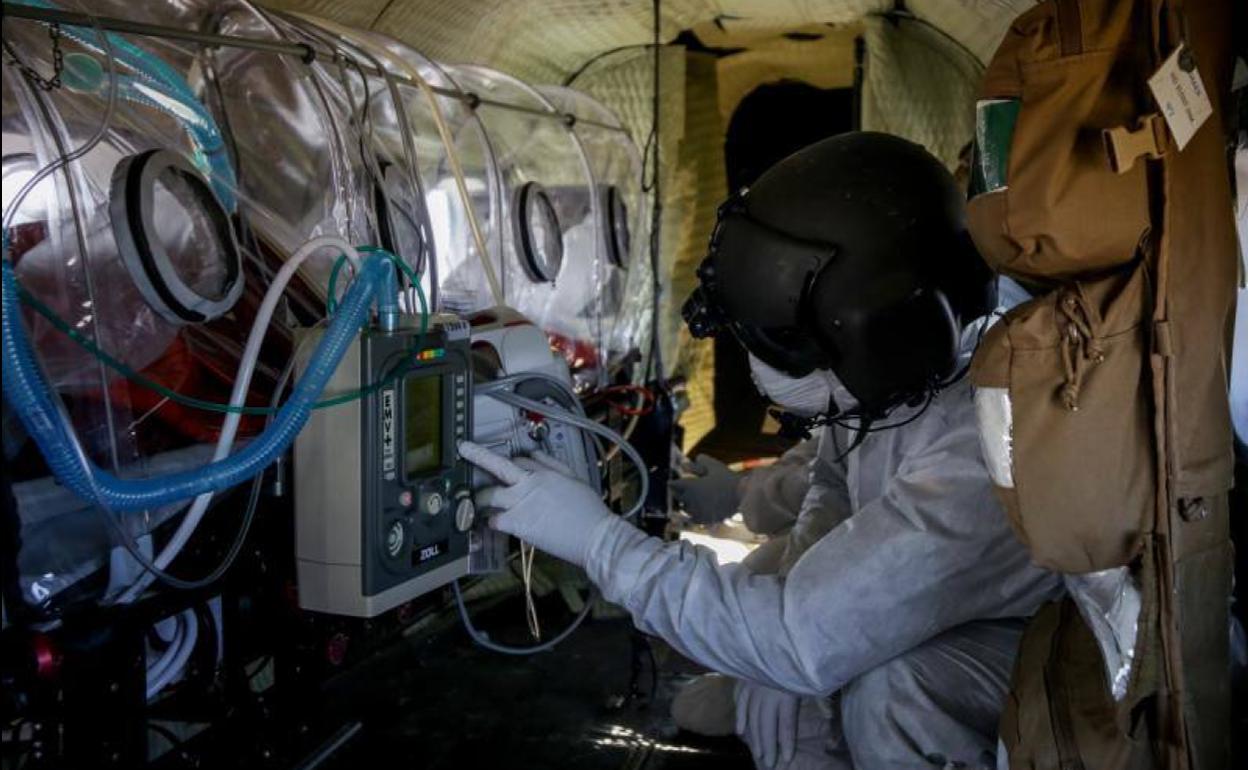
{"type": "Point", "coordinates": [909, 610]}
{"type": "Point", "coordinates": [770, 504]}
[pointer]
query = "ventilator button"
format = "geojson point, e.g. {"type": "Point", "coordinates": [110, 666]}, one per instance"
{"type": "Point", "coordinates": [433, 504]}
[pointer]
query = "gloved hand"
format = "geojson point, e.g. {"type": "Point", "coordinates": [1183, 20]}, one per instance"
{"type": "Point", "coordinates": [767, 722]}
{"type": "Point", "coordinates": [712, 494]}
{"type": "Point", "coordinates": [541, 500]}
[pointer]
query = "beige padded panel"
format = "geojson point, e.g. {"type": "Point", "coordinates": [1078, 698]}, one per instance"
{"type": "Point", "coordinates": [543, 40]}
{"type": "Point", "coordinates": [824, 63]}
{"type": "Point", "coordinates": [700, 186]}
{"type": "Point", "coordinates": [977, 25]}
{"type": "Point", "coordinates": [919, 85]}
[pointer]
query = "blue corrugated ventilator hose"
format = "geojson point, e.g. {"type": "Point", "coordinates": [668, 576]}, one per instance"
{"type": "Point", "coordinates": [159, 86]}
{"type": "Point", "coordinates": [34, 401]}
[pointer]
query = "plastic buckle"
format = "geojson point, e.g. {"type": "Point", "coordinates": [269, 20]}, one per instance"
{"type": "Point", "coordinates": [1124, 145]}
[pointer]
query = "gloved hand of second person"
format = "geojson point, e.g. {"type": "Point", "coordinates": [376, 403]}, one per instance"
{"type": "Point", "coordinates": [712, 494]}
{"type": "Point", "coordinates": [767, 722]}
{"type": "Point", "coordinates": [540, 501]}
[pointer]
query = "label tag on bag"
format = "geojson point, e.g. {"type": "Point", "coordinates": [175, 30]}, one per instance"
{"type": "Point", "coordinates": [1181, 95]}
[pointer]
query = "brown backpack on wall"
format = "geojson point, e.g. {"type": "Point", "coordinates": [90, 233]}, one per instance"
{"type": "Point", "coordinates": [1102, 401]}
{"type": "Point", "coordinates": [1078, 475]}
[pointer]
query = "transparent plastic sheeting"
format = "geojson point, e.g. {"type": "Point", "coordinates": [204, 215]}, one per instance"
{"type": "Point", "coordinates": [461, 284]}
{"type": "Point", "coordinates": [249, 125]}
{"type": "Point", "coordinates": [382, 179]}
{"type": "Point", "coordinates": [533, 150]}
{"type": "Point", "coordinates": [624, 303]}
{"type": "Point", "coordinates": [288, 151]}
{"type": "Point", "coordinates": [996, 433]}
{"type": "Point", "coordinates": [1109, 601]}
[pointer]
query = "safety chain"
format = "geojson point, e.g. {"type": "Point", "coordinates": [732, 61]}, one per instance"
{"type": "Point", "coordinates": [58, 64]}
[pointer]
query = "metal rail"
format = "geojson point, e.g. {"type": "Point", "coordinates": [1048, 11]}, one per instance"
{"type": "Point", "coordinates": [305, 52]}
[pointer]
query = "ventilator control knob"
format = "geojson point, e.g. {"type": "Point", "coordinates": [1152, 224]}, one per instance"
{"type": "Point", "coordinates": [465, 513]}
{"type": "Point", "coordinates": [394, 539]}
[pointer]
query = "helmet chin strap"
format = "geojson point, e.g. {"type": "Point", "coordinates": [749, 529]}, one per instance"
{"type": "Point", "coordinates": [800, 428]}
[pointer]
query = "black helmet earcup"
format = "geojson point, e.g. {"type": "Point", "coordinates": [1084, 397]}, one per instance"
{"type": "Point", "coordinates": [889, 352]}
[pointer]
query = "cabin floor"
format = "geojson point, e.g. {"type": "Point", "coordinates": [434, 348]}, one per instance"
{"type": "Point", "coordinates": [600, 700]}
{"type": "Point", "coordinates": [450, 704]}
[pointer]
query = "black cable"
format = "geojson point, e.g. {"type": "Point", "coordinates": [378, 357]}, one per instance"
{"type": "Point", "coordinates": [236, 547]}
{"type": "Point", "coordinates": [899, 15]}
{"type": "Point", "coordinates": [260, 667]}
{"type": "Point", "coordinates": [164, 732]}
{"type": "Point", "coordinates": [570, 79]}
{"type": "Point", "coordinates": [654, 361]}
{"type": "Point", "coordinates": [131, 546]}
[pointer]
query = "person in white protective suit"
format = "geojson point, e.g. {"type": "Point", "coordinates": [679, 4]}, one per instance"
{"type": "Point", "coordinates": [769, 499]}
{"type": "Point", "coordinates": [890, 640]}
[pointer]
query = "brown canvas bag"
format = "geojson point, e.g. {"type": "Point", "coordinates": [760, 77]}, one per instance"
{"type": "Point", "coordinates": [1062, 391]}
{"type": "Point", "coordinates": [1062, 380]}
{"type": "Point", "coordinates": [1110, 418]}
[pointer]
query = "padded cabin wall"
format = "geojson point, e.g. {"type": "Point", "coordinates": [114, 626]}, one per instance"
{"type": "Point", "coordinates": [920, 85]}
{"type": "Point", "coordinates": [536, 40]}
{"type": "Point", "coordinates": [826, 62]}
{"type": "Point", "coordinates": [701, 185]}
{"type": "Point", "coordinates": [977, 26]}
{"type": "Point", "coordinates": [543, 40]}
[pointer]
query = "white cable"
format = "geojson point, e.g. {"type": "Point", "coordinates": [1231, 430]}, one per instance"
{"type": "Point", "coordinates": [562, 415]}
{"type": "Point", "coordinates": [528, 554]}
{"type": "Point", "coordinates": [178, 664]}
{"type": "Point", "coordinates": [238, 396]}
{"type": "Point", "coordinates": [499, 389]}
{"type": "Point", "coordinates": [161, 664]}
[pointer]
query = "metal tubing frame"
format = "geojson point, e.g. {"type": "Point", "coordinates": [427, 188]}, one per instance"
{"type": "Point", "coordinates": [305, 52]}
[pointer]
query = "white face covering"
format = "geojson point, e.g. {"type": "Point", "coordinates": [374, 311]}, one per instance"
{"type": "Point", "coordinates": [804, 396]}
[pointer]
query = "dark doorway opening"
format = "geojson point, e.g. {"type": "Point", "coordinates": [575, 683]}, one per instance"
{"type": "Point", "coordinates": [771, 123]}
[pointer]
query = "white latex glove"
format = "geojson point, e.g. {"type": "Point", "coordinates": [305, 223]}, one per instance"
{"type": "Point", "coordinates": [712, 494]}
{"type": "Point", "coordinates": [767, 722]}
{"type": "Point", "coordinates": [541, 502]}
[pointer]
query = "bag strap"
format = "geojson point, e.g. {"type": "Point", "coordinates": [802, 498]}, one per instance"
{"type": "Point", "coordinates": [1069, 27]}
{"type": "Point", "coordinates": [1166, 31]}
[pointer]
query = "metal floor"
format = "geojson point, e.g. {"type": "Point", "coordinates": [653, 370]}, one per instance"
{"type": "Point", "coordinates": [594, 702]}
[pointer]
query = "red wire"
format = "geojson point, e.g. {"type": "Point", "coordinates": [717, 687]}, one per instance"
{"type": "Point", "coordinates": [647, 399]}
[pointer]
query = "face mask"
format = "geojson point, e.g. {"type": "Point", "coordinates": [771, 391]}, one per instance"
{"type": "Point", "coordinates": [804, 396]}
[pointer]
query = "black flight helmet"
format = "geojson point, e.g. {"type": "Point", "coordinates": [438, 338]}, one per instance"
{"type": "Point", "coordinates": [851, 255]}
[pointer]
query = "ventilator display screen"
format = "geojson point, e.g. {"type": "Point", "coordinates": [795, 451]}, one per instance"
{"type": "Point", "coordinates": [422, 430]}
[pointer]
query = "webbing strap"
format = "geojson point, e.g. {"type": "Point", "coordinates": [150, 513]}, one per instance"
{"type": "Point", "coordinates": [1069, 27]}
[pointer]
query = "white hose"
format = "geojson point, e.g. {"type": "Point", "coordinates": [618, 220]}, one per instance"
{"type": "Point", "coordinates": [238, 396]}
{"type": "Point", "coordinates": [162, 663]}
{"type": "Point", "coordinates": [178, 663]}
